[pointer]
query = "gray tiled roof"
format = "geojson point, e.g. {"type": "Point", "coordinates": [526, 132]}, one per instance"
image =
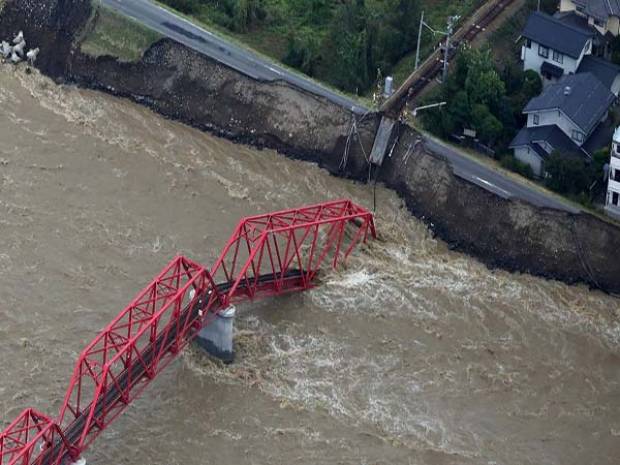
{"type": "Point", "coordinates": [553, 33]}
{"type": "Point", "coordinates": [551, 134]}
{"type": "Point", "coordinates": [575, 20]}
{"type": "Point", "coordinates": [600, 9]}
{"type": "Point", "coordinates": [585, 105]}
{"type": "Point", "coordinates": [605, 71]}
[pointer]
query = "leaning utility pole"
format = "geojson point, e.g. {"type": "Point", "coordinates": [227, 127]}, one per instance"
{"type": "Point", "coordinates": [417, 53]}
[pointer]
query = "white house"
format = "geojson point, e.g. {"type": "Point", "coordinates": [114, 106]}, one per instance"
{"type": "Point", "coordinates": [604, 15]}
{"type": "Point", "coordinates": [553, 48]}
{"type": "Point", "coordinates": [612, 205]}
{"type": "Point", "coordinates": [562, 118]}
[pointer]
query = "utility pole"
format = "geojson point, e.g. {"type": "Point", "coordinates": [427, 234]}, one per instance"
{"type": "Point", "coordinates": [451, 21]}
{"type": "Point", "coordinates": [447, 49]}
{"type": "Point", "coordinates": [417, 53]}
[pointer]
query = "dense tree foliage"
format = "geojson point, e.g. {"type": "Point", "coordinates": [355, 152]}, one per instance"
{"type": "Point", "coordinates": [567, 173]}
{"type": "Point", "coordinates": [572, 175]}
{"type": "Point", "coordinates": [481, 98]}
{"type": "Point", "coordinates": [343, 42]}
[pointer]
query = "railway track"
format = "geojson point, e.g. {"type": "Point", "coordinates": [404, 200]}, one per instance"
{"type": "Point", "coordinates": [433, 65]}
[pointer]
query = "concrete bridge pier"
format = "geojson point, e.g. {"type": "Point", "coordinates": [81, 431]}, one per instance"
{"type": "Point", "coordinates": [217, 337]}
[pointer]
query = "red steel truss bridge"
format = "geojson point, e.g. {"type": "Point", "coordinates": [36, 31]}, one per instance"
{"type": "Point", "coordinates": [267, 255]}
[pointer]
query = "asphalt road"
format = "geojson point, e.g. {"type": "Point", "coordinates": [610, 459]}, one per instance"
{"type": "Point", "coordinates": [175, 27]}
{"type": "Point", "coordinates": [494, 181]}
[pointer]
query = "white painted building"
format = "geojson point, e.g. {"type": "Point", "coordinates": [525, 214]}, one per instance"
{"type": "Point", "coordinates": [552, 48]}
{"type": "Point", "coordinates": [612, 204]}
{"type": "Point", "coordinates": [557, 117]}
{"type": "Point", "coordinates": [562, 118]}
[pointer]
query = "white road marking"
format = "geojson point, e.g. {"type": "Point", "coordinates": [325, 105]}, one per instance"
{"type": "Point", "coordinates": [491, 185]}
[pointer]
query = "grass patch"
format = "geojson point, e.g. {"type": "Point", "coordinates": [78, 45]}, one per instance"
{"type": "Point", "coordinates": [114, 35]}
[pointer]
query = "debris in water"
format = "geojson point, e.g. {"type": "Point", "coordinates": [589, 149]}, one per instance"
{"type": "Point", "coordinates": [15, 54]}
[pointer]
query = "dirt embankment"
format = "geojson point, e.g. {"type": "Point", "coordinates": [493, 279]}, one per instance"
{"type": "Point", "coordinates": [189, 87]}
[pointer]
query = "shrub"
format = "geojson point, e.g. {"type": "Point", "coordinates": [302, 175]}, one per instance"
{"type": "Point", "coordinates": [509, 162]}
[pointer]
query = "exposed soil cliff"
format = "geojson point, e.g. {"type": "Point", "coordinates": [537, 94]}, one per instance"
{"type": "Point", "coordinates": [187, 86]}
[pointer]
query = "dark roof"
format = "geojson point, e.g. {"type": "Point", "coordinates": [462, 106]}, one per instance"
{"type": "Point", "coordinates": [601, 137]}
{"type": "Point", "coordinates": [573, 19]}
{"type": "Point", "coordinates": [585, 104]}
{"type": "Point", "coordinates": [605, 71]}
{"type": "Point", "coordinates": [551, 70]}
{"type": "Point", "coordinates": [551, 134]}
{"type": "Point", "coordinates": [600, 9]}
{"type": "Point", "coordinates": [553, 33]}
{"type": "Point", "coordinates": [542, 153]}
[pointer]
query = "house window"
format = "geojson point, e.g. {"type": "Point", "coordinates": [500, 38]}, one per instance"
{"type": "Point", "coordinates": [543, 51]}
{"type": "Point", "coordinates": [616, 175]}
{"type": "Point", "coordinates": [617, 148]}
{"type": "Point", "coordinates": [614, 199]}
{"type": "Point", "coordinates": [581, 9]}
{"type": "Point", "coordinates": [577, 135]}
{"type": "Point", "coordinates": [536, 119]}
{"type": "Point", "coordinates": [558, 57]}
{"type": "Point", "coordinates": [599, 23]}
{"type": "Point", "coordinates": [528, 43]}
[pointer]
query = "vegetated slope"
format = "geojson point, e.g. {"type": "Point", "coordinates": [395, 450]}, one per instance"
{"type": "Point", "coordinates": [348, 44]}
{"type": "Point", "coordinates": [109, 33]}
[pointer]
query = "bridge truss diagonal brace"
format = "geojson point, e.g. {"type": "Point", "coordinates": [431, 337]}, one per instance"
{"type": "Point", "coordinates": [267, 255]}
{"type": "Point", "coordinates": [283, 251]}
{"type": "Point", "coordinates": [31, 433]}
{"type": "Point", "coordinates": [118, 364]}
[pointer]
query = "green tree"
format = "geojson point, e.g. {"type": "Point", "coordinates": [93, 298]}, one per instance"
{"type": "Point", "coordinates": [246, 13]}
{"type": "Point", "coordinates": [347, 64]}
{"type": "Point", "coordinates": [532, 84]}
{"type": "Point", "coordinates": [483, 83]}
{"type": "Point", "coordinates": [460, 109]}
{"type": "Point", "coordinates": [393, 25]}
{"type": "Point", "coordinates": [310, 12]}
{"type": "Point", "coordinates": [567, 173]}
{"type": "Point", "coordinates": [303, 52]}
{"type": "Point", "coordinates": [489, 128]}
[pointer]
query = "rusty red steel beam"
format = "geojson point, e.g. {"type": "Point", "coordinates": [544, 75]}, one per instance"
{"type": "Point", "coordinates": [267, 255]}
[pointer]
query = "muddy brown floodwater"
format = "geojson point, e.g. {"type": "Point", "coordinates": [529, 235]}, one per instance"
{"type": "Point", "coordinates": [412, 355]}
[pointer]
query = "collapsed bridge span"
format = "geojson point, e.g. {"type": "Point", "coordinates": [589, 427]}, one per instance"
{"type": "Point", "coordinates": [267, 255]}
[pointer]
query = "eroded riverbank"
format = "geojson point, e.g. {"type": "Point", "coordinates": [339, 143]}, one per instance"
{"type": "Point", "coordinates": [184, 85]}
